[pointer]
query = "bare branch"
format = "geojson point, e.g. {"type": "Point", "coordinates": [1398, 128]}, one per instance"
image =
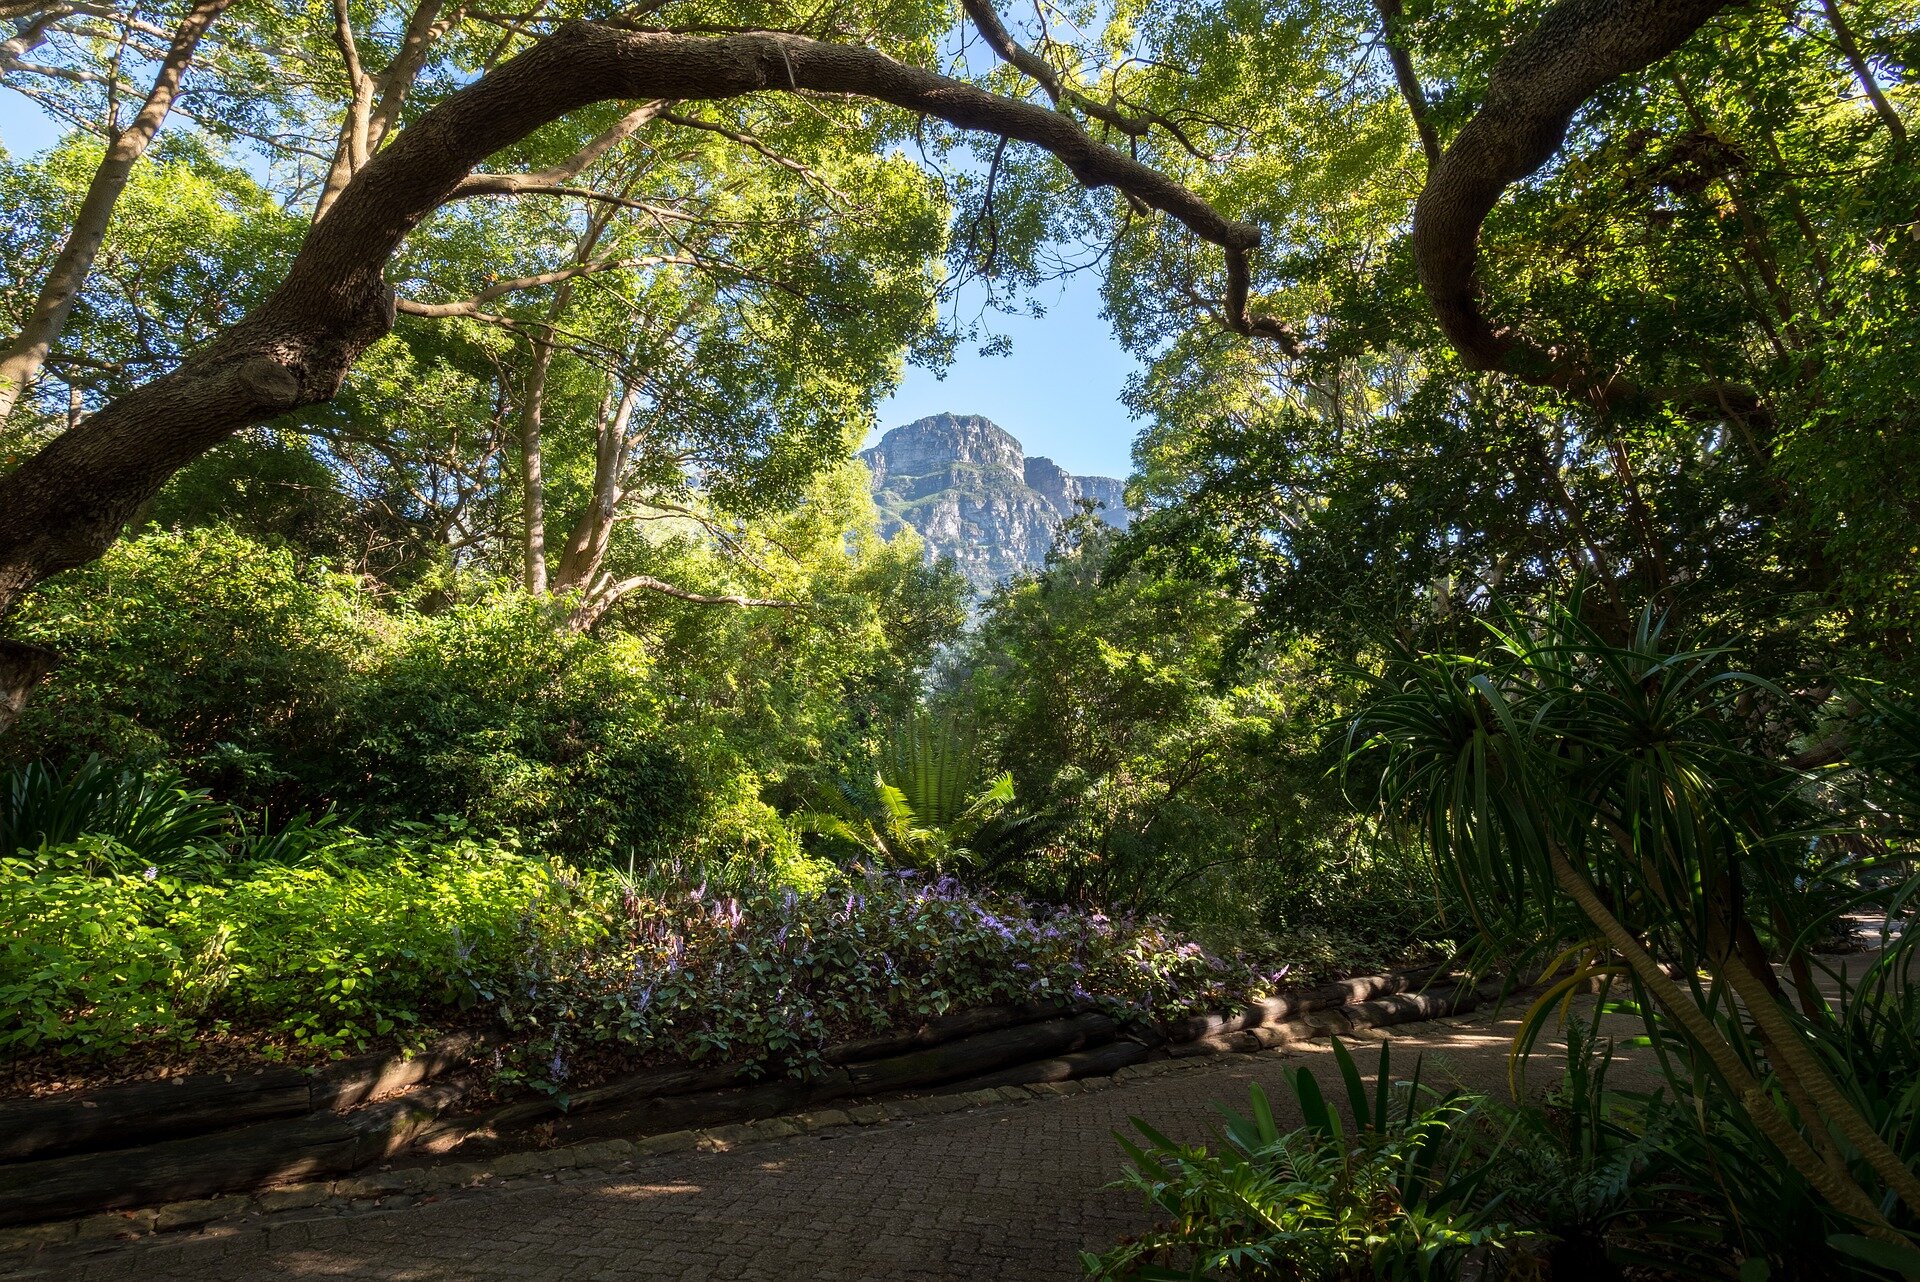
{"type": "Point", "coordinates": [545, 181]}
{"type": "Point", "coordinates": [759, 148]}
{"type": "Point", "coordinates": [608, 593]}
{"type": "Point", "coordinates": [499, 289]}
{"type": "Point", "coordinates": [1042, 73]}
{"type": "Point", "coordinates": [1416, 97]}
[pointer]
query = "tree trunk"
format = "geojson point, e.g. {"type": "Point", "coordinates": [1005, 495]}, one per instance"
{"type": "Point", "coordinates": [533, 484]}
{"type": "Point", "coordinates": [22, 667]}
{"type": "Point", "coordinates": [21, 361]}
{"type": "Point", "coordinates": [1793, 1058]}
{"type": "Point", "coordinates": [587, 540]}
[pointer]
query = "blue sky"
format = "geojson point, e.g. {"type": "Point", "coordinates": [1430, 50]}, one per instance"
{"type": "Point", "coordinates": [1058, 389]}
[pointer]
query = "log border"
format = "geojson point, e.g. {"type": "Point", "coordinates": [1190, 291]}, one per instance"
{"type": "Point", "coordinates": [966, 1055]}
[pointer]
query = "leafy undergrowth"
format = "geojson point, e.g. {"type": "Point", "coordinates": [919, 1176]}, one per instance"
{"type": "Point", "coordinates": [111, 970]}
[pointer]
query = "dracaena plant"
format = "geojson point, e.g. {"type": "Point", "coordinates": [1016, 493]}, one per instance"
{"type": "Point", "coordinates": [1573, 786]}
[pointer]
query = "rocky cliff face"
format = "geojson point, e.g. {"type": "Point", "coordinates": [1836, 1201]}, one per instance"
{"type": "Point", "coordinates": [972, 493]}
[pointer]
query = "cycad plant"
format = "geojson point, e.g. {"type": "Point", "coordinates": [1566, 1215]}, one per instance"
{"type": "Point", "coordinates": [1576, 788]}
{"type": "Point", "coordinates": [1401, 1194]}
{"type": "Point", "coordinates": [929, 801]}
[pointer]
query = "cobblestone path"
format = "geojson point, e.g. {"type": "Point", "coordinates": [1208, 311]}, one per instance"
{"type": "Point", "coordinates": [1010, 1192]}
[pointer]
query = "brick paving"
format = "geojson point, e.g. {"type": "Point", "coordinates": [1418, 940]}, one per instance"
{"type": "Point", "coordinates": [1010, 1192]}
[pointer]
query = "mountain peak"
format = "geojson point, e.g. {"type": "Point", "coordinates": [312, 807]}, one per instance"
{"type": "Point", "coordinates": [914, 448]}
{"type": "Point", "coordinates": [967, 486]}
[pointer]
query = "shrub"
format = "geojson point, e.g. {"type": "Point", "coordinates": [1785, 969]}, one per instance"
{"type": "Point", "coordinates": [173, 645]}
{"type": "Point", "coordinates": [493, 711]}
{"type": "Point", "coordinates": [285, 686]}
{"type": "Point", "coordinates": [369, 938]}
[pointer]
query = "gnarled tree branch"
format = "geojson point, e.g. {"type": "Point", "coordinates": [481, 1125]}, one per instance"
{"type": "Point", "coordinates": [66, 504]}
{"type": "Point", "coordinates": [1534, 91]}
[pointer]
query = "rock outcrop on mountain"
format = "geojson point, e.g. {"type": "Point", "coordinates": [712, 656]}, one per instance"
{"type": "Point", "coordinates": [970, 491]}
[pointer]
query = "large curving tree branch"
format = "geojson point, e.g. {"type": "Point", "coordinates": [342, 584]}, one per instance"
{"type": "Point", "coordinates": [66, 504]}
{"type": "Point", "coordinates": [1536, 88]}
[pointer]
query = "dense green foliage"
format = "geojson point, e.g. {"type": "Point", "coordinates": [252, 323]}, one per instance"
{"type": "Point", "coordinates": [423, 704]}
{"type": "Point", "coordinates": [1174, 760]}
{"type": "Point", "coordinates": [291, 687]}
{"type": "Point", "coordinates": [328, 938]}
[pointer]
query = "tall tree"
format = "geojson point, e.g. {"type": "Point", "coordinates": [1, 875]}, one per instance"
{"type": "Point", "coordinates": [69, 501]}
{"type": "Point", "coordinates": [22, 359]}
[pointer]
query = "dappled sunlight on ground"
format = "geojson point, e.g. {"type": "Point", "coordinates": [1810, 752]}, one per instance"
{"type": "Point", "coordinates": [1010, 1192]}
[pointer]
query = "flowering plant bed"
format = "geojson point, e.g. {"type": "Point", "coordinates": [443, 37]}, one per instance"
{"type": "Point", "coordinates": [578, 976]}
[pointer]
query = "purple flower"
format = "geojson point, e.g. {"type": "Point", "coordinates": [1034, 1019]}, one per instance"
{"type": "Point", "coordinates": [557, 1070]}
{"type": "Point", "coordinates": [152, 873]}
{"type": "Point", "coordinates": [787, 900]}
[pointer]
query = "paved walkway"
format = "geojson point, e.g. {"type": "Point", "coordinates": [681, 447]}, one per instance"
{"type": "Point", "coordinates": [1010, 1192]}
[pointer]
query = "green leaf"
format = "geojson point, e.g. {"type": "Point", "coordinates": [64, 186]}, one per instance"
{"type": "Point", "coordinates": [1904, 1260]}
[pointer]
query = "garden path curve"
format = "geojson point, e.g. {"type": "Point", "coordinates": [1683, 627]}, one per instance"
{"type": "Point", "coordinates": [1008, 1191]}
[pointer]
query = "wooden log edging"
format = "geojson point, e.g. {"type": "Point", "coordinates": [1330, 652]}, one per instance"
{"type": "Point", "coordinates": [638, 1095]}
{"type": "Point", "coordinates": [200, 1166]}
{"type": "Point", "coordinates": [1291, 1007]}
{"type": "Point", "coordinates": [627, 1109]}
{"type": "Point", "coordinates": [1019, 1047]}
{"type": "Point", "coordinates": [134, 1113]}
{"type": "Point", "coordinates": [1452, 998]}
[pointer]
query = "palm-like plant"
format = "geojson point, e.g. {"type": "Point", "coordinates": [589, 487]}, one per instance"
{"type": "Point", "coordinates": [929, 802]}
{"type": "Point", "coordinates": [1572, 787]}
{"type": "Point", "coordinates": [1399, 1194]}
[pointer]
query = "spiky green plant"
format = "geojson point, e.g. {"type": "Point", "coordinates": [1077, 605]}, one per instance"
{"type": "Point", "coordinates": [928, 802]}
{"type": "Point", "coordinates": [1400, 1194]}
{"type": "Point", "coordinates": [1602, 791]}
{"type": "Point", "coordinates": [151, 817]}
